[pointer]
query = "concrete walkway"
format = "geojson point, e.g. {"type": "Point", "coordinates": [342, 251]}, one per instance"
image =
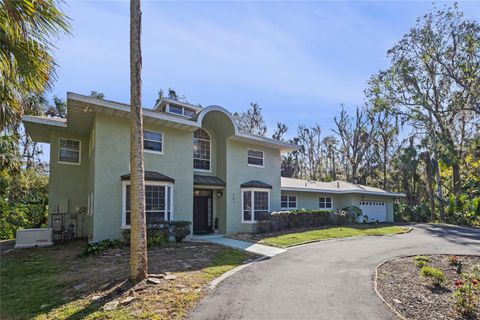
{"type": "Point", "coordinates": [238, 244]}
{"type": "Point", "coordinates": [329, 280]}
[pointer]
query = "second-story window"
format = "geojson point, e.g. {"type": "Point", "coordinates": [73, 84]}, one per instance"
{"type": "Point", "coordinates": [201, 150]}
{"type": "Point", "coordinates": [255, 158]}
{"type": "Point", "coordinates": [153, 141]}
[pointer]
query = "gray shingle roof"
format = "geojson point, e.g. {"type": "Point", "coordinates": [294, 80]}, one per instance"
{"type": "Point", "coordinates": [200, 180]}
{"type": "Point", "coordinates": [151, 176]}
{"type": "Point", "coordinates": [290, 184]}
{"type": "Point", "coordinates": [256, 184]}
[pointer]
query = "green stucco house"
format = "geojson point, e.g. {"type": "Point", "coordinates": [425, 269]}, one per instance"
{"type": "Point", "coordinates": [198, 167]}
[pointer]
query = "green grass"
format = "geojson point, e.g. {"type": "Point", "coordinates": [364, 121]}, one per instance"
{"type": "Point", "coordinates": [225, 261]}
{"type": "Point", "coordinates": [292, 239]}
{"type": "Point", "coordinates": [31, 289]}
{"type": "Point", "coordinates": [28, 285]}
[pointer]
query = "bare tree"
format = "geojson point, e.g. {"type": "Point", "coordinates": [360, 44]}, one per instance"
{"type": "Point", "coordinates": [356, 137]}
{"type": "Point", "coordinates": [280, 131]}
{"type": "Point", "coordinates": [252, 120]}
{"type": "Point", "coordinates": [330, 143]}
{"type": "Point", "coordinates": [138, 238]}
{"type": "Point", "coordinates": [309, 139]}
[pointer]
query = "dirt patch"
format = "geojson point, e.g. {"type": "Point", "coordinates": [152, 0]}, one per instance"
{"type": "Point", "coordinates": [97, 287]}
{"type": "Point", "coordinates": [400, 284]}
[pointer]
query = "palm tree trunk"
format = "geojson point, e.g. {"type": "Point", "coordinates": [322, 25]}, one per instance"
{"type": "Point", "coordinates": [138, 238]}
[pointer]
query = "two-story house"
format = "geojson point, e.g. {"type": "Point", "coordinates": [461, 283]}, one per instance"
{"type": "Point", "coordinates": [198, 167]}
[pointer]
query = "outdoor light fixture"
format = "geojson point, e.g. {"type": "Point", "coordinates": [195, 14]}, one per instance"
{"type": "Point", "coordinates": [219, 194]}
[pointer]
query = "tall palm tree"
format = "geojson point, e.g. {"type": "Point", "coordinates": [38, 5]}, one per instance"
{"type": "Point", "coordinates": [138, 238]}
{"type": "Point", "coordinates": [27, 28]}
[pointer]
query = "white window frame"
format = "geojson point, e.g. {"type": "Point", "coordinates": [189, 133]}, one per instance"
{"type": "Point", "coordinates": [210, 151]}
{"type": "Point", "coordinates": [288, 201]}
{"type": "Point", "coordinates": [162, 142]}
{"type": "Point", "coordinates": [252, 190]}
{"type": "Point", "coordinates": [79, 152]}
{"type": "Point", "coordinates": [126, 183]}
{"type": "Point", "coordinates": [331, 202]}
{"type": "Point", "coordinates": [256, 165]}
{"type": "Point", "coordinates": [183, 111]}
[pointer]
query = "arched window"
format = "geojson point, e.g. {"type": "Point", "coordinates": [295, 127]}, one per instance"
{"type": "Point", "coordinates": [201, 150]}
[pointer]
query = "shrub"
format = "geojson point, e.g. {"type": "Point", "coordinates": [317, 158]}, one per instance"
{"type": "Point", "coordinates": [156, 237]}
{"type": "Point", "coordinates": [421, 261]}
{"type": "Point", "coordinates": [354, 211]}
{"type": "Point", "coordinates": [180, 229]}
{"type": "Point", "coordinates": [467, 293]}
{"type": "Point", "coordinates": [435, 276]}
{"type": "Point", "coordinates": [283, 220]}
{"type": "Point", "coordinates": [95, 248]}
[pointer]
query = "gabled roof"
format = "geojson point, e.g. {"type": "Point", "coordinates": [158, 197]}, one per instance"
{"type": "Point", "coordinates": [338, 187]}
{"type": "Point", "coordinates": [151, 176]}
{"type": "Point", "coordinates": [256, 184]}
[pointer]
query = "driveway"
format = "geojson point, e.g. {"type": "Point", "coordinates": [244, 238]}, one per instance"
{"type": "Point", "coordinates": [327, 280]}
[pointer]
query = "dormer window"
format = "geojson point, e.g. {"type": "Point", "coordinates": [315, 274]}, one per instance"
{"type": "Point", "coordinates": [180, 110]}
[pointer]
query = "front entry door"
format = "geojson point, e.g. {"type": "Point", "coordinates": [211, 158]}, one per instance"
{"type": "Point", "coordinates": [202, 211]}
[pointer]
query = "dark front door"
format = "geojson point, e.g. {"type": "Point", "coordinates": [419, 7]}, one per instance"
{"type": "Point", "coordinates": [202, 211]}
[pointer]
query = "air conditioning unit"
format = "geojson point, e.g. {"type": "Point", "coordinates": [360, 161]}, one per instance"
{"type": "Point", "coordinates": [32, 238]}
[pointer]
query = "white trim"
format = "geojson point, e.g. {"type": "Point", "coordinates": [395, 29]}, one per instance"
{"type": "Point", "coordinates": [325, 197]}
{"type": "Point", "coordinates": [79, 152]}
{"type": "Point", "coordinates": [256, 165]}
{"type": "Point", "coordinates": [252, 191]}
{"type": "Point", "coordinates": [267, 142]}
{"type": "Point", "coordinates": [161, 142]}
{"type": "Point", "coordinates": [167, 110]}
{"type": "Point", "coordinates": [329, 191]}
{"type": "Point", "coordinates": [56, 122]}
{"type": "Point", "coordinates": [126, 108]}
{"type": "Point", "coordinates": [126, 183]}
{"type": "Point", "coordinates": [288, 201]}
{"type": "Point", "coordinates": [210, 152]}
{"type": "Point", "coordinates": [180, 103]}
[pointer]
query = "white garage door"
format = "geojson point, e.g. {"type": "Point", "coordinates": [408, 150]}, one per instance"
{"type": "Point", "coordinates": [374, 209]}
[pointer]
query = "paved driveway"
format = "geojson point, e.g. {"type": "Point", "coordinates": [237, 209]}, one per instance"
{"type": "Point", "coordinates": [326, 280]}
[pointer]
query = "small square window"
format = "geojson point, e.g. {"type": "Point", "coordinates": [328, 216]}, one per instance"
{"type": "Point", "coordinates": [255, 158]}
{"type": "Point", "coordinates": [152, 141]}
{"type": "Point", "coordinates": [325, 203]}
{"type": "Point", "coordinates": [69, 151]}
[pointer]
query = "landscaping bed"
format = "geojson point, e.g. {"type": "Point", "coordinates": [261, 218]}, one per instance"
{"type": "Point", "coordinates": [296, 236]}
{"type": "Point", "coordinates": [59, 283]}
{"type": "Point", "coordinates": [407, 284]}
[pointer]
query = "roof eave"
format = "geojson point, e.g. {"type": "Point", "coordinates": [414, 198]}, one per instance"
{"type": "Point", "coordinates": [389, 194]}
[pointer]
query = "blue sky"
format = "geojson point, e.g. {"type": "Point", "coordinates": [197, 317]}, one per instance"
{"type": "Point", "coordinates": [299, 60]}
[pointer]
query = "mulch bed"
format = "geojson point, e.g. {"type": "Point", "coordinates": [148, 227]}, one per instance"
{"type": "Point", "coordinates": [400, 284]}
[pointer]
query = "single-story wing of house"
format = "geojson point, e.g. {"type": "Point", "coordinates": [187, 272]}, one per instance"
{"type": "Point", "coordinates": [376, 203]}
{"type": "Point", "coordinates": [199, 167]}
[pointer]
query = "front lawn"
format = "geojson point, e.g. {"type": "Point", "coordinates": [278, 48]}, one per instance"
{"type": "Point", "coordinates": [295, 237]}
{"type": "Point", "coordinates": [55, 283]}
